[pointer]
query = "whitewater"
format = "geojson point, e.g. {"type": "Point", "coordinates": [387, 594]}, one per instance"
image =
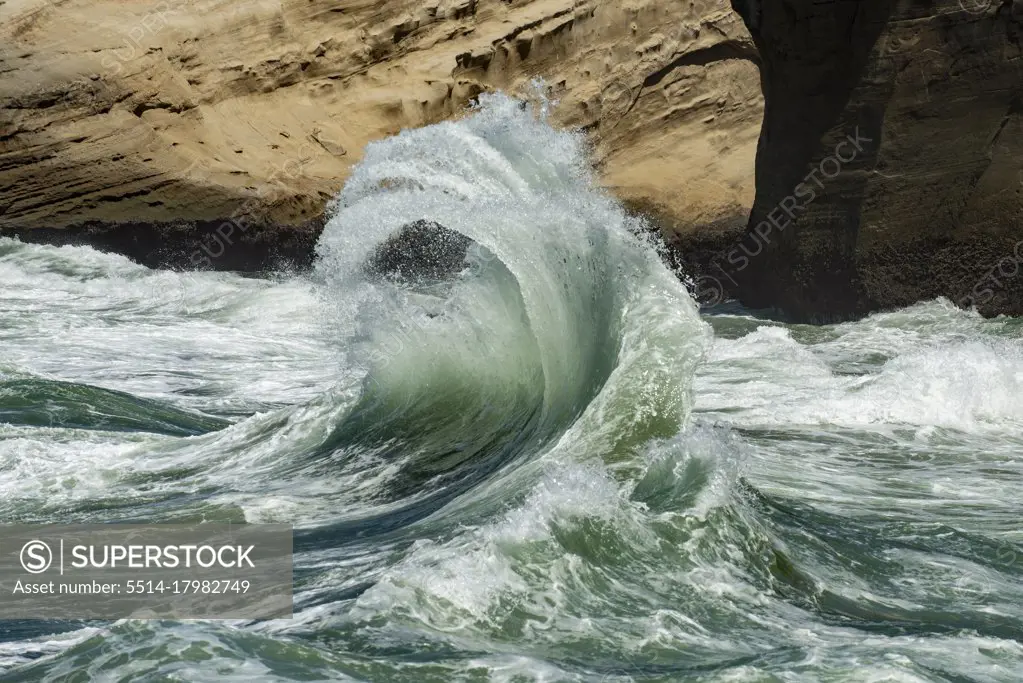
{"type": "Point", "coordinates": [549, 466]}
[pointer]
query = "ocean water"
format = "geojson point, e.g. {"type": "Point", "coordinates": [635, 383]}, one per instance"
{"type": "Point", "coordinates": [550, 467]}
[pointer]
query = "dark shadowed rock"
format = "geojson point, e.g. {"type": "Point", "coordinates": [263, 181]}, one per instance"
{"type": "Point", "coordinates": [890, 164]}
{"type": "Point", "coordinates": [422, 250]}
{"type": "Point", "coordinates": [234, 243]}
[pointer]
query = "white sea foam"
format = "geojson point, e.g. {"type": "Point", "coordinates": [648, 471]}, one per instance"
{"type": "Point", "coordinates": [500, 476]}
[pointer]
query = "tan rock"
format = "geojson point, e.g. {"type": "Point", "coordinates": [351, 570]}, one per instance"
{"type": "Point", "coordinates": [169, 110]}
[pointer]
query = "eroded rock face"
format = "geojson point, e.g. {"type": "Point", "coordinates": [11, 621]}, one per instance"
{"type": "Point", "coordinates": [226, 120]}
{"type": "Point", "coordinates": [890, 167]}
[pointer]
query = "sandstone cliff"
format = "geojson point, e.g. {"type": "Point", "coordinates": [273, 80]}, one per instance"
{"type": "Point", "coordinates": [890, 167]}
{"type": "Point", "coordinates": [147, 124]}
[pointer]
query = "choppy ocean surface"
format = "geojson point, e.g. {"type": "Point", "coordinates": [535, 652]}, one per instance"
{"type": "Point", "coordinates": [550, 467]}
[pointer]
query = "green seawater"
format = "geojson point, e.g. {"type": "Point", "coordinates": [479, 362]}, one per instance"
{"type": "Point", "coordinates": [552, 467]}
